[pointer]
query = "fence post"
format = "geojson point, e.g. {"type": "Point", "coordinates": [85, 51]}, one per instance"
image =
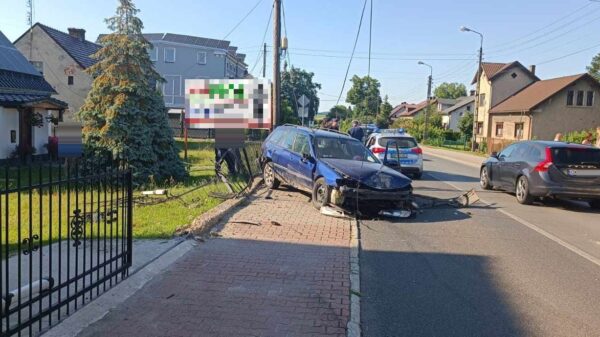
{"type": "Point", "coordinates": [129, 217]}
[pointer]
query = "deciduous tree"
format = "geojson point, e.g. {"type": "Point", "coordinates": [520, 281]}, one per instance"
{"type": "Point", "coordinates": [364, 95]}
{"type": "Point", "coordinates": [450, 90]}
{"type": "Point", "coordinates": [297, 82]}
{"type": "Point", "coordinates": [594, 67]}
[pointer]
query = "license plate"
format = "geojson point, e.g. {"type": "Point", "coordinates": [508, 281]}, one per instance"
{"type": "Point", "coordinates": [583, 173]}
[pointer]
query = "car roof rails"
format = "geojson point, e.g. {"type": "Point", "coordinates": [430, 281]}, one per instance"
{"type": "Point", "coordinates": [332, 130]}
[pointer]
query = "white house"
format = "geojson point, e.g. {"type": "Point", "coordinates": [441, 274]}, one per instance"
{"type": "Point", "coordinates": [453, 114]}
{"type": "Point", "coordinates": [26, 104]}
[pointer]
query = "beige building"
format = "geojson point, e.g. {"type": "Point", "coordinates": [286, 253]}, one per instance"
{"type": "Point", "coordinates": [498, 82]}
{"type": "Point", "coordinates": [62, 58]}
{"type": "Point", "coordinates": [545, 108]}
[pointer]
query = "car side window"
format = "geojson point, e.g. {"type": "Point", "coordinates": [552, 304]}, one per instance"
{"type": "Point", "coordinates": [277, 135]}
{"type": "Point", "coordinates": [534, 154]}
{"type": "Point", "coordinates": [301, 144]}
{"type": "Point", "coordinates": [520, 151]}
{"type": "Point", "coordinates": [371, 142]}
{"type": "Point", "coordinates": [507, 152]}
{"type": "Point", "coordinates": [288, 141]}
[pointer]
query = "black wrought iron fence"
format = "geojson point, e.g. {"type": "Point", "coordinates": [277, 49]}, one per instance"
{"type": "Point", "coordinates": [66, 237]}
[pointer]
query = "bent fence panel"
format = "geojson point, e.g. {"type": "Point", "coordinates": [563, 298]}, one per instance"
{"type": "Point", "coordinates": [66, 237]}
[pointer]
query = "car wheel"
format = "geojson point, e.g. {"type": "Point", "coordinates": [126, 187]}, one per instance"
{"type": "Point", "coordinates": [595, 204]}
{"type": "Point", "coordinates": [269, 176]}
{"type": "Point", "coordinates": [418, 175]}
{"type": "Point", "coordinates": [484, 179]}
{"type": "Point", "coordinates": [320, 194]}
{"type": "Point", "coordinates": [522, 191]}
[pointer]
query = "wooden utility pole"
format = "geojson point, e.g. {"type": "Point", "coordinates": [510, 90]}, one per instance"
{"type": "Point", "coordinates": [276, 64]}
{"type": "Point", "coordinates": [265, 60]}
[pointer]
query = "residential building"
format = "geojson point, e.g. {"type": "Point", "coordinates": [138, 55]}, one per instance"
{"type": "Point", "coordinates": [498, 81]}
{"type": "Point", "coordinates": [400, 109]}
{"type": "Point", "coordinates": [452, 115]}
{"type": "Point", "coordinates": [179, 57]}
{"type": "Point", "coordinates": [443, 103]}
{"type": "Point", "coordinates": [27, 108]}
{"type": "Point", "coordinates": [546, 107]}
{"type": "Point", "coordinates": [62, 58]}
{"type": "Point", "coordinates": [414, 111]}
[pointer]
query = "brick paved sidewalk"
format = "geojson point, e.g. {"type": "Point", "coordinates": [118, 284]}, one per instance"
{"type": "Point", "coordinates": [279, 268]}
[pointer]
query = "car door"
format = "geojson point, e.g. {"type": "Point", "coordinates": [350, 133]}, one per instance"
{"type": "Point", "coordinates": [499, 168]}
{"type": "Point", "coordinates": [281, 158]}
{"type": "Point", "coordinates": [513, 165]}
{"type": "Point", "coordinates": [302, 163]}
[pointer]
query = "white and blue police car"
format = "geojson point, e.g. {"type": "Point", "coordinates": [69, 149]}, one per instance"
{"type": "Point", "coordinates": [403, 151]}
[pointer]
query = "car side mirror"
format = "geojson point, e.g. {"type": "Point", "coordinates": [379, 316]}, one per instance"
{"type": "Point", "coordinates": [306, 157]}
{"type": "Point", "coordinates": [494, 155]}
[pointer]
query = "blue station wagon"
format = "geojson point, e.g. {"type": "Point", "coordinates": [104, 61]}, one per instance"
{"type": "Point", "coordinates": [336, 168]}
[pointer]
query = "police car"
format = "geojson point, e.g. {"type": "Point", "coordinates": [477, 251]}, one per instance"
{"type": "Point", "coordinates": [403, 152]}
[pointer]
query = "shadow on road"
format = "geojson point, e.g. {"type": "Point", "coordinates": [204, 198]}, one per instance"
{"type": "Point", "coordinates": [432, 294]}
{"type": "Point", "coordinates": [451, 177]}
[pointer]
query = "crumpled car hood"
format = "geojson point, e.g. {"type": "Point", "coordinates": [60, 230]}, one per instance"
{"type": "Point", "coordinates": [370, 174]}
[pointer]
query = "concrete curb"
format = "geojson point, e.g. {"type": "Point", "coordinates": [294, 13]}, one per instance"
{"type": "Point", "coordinates": [101, 306]}
{"type": "Point", "coordinates": [205, 222]}
{"type": "Point", "coordinates": [353, 328]}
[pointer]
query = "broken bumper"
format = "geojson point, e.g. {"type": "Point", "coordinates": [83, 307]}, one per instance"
{"type": "Point", "coordinates": [373, 194]}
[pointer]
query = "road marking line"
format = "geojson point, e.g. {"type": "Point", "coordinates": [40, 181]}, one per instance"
{"type": "Point", "coordinates": [531, 226]}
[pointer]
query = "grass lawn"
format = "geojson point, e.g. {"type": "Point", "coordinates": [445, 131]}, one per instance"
{"type": "Point", "coordinates": [158, 220]}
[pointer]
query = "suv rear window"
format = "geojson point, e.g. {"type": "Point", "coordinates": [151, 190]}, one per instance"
{"type": "Point", "coordinates": [576, 156]}
{"type": "Point", "coordinates": [403, 142]}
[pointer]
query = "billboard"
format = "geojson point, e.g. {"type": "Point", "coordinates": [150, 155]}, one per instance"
{"type": "Point", "coordinates": [228, 104]}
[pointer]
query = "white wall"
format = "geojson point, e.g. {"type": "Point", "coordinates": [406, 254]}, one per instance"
{"type": "Point", "coordinates": [9, 120]}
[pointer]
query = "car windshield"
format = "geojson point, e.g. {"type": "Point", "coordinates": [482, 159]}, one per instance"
{"type": "Point", "coordinates": [403, 142]}
{"type": "Point", "coordinates": [342, 148]}
{"type": "Point", "coordinates": [576, 156]}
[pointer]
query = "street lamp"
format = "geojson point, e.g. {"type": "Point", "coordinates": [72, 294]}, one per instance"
{"type": "Point", "coordinates": [474, 137]}
{"type": "Point", "coordinates": [429, 80]}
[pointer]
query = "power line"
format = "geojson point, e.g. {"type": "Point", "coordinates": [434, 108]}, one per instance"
{"type": "Point", "coordinates": [353, 50]}
{"type": "Point", "coordinates": [385, 58]}
{"type": "Point", "coordinates": [370, 36]}
{"type": "Point", "coordinates": [515, 41]}
{"type": "Point", "coordinates": [243, 19]}
{"type": "Point", "coordinates": [570, 54]}
{"type": "Point", "coordinates": [263, 40]}
{"type": "Point", "coordinates": [546, 34]}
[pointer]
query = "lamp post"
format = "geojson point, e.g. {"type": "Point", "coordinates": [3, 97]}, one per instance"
{"type": "Point", "coordinates": [429, 80]}
{"type": "Point", "coordinates": [475, 116]}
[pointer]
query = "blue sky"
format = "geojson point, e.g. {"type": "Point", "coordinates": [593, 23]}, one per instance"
{"type": "Point", "coordinates": [321, 34]}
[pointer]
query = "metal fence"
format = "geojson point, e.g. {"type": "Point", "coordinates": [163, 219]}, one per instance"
{"type": "Point", "coordinates": [66, 236]}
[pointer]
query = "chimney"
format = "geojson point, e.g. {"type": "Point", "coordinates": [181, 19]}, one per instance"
{"type": "Point", "coordinates": [472, 92]}
{"type": "Point", "coordinates": [77, 33]}
{"type": "Point", "coordinates": [532, 68]}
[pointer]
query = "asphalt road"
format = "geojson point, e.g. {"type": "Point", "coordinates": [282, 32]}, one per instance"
{"type": "Point", "coordinates": [495, 269]}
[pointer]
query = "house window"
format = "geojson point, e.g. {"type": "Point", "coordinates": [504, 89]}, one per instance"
{"type": "Point", "coordinates": [589, 98]}
{"type": "Point", "coordinates": [479, 128]}
{"type": "Point", "coordinates": [580, 98]}
{"type": "Point", "coordinates": [499, 129]}
{"type": "Point", "coordinates": [39, 66]}
{"type": "Point", "coordinates": [570, 95]}
{"type": "Point", "coordinates": [153, 52]}
{"type": "Point", "coordinates": [169, 55]}
{"type": "Point", "coordinates": [513, 75]}
{"type": "Point", "coordinates": [481, 99]}
{"type": "Point", "coordinates": [70, 80]}
{"type": "Point", "coordinates": [468, 108]}
{"type": "Point", "coordinates": [519, 130]}
{"type": "Point", "coordinates": [201, 57]}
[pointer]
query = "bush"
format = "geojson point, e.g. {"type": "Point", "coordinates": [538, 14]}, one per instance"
{"type": "Point", "coordinates": [578, 136]}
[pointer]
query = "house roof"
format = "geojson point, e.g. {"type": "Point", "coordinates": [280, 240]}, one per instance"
{"type": "Point", "coordinates": [12, 60]}
{"type": "Point", "coordinates": [460, 102]}
{"type": "Point", "coordinates": [188, 39]}
{"type": "Point", "coordinates": [419, 106]}
{"type": "Point", "coordinates": [397, 108]}
{"type": "Point", "coordinates": [533, 95]}
{"type": "Point", "coordinates": [24, 99]}
{"type": "Point", "coordinates": [80, 51]}
{"type": "Point", "coordinates": [491, 70]}
{"type": "Point", "coordinates": [446, 101]}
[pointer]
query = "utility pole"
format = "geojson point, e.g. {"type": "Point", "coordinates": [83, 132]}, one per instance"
{"type": "Point", "coordinates": [428, 106]}
{"type": "Point", "coordinates": [276, 66]}
{"type": "Point", "coordinates": [477, 103]}
{"type": "Point", "coordinates": [265, 60]}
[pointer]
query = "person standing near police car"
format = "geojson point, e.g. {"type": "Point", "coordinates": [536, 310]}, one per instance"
{"type": "Point", "coordinates": [356, 131]}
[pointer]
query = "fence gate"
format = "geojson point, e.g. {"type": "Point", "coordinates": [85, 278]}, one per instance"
{"type": "Point", "coordinates": [66, 237]}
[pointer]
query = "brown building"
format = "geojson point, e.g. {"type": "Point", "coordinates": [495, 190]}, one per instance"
{"type": "Point", "coordinates": [546, 107]}
{"type": "Point", "coordinates": [401, 108]}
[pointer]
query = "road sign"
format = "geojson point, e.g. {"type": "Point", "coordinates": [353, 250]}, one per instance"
{"type": "Point", "coordinates": [304, 101]}
{"type": "Point", "coordinates": [303, 111]}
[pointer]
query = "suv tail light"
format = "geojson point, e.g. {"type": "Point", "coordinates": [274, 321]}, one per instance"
{"type": "Point", "coordinates": [416, 150]}
{"type": "Point", "coordinates": [378, 150]}
{"type": "Point", "coordinates": [546, 163]}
